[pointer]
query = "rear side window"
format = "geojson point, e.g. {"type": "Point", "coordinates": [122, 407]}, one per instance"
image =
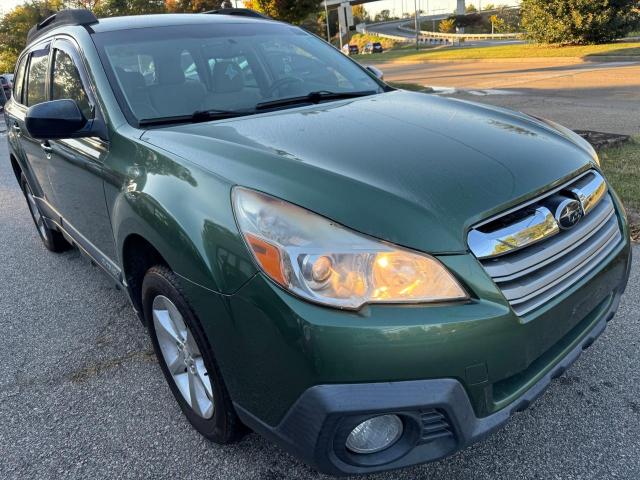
{"type": "Point", "coordinates": [68, 84]}
{"type": "Point", "coordinates": [19, 80]}
{"type": "Point", "coordinates": [37, 76]}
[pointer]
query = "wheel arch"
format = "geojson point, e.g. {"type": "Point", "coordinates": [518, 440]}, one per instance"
{"type": "Point", "coordinates": [138, 256]}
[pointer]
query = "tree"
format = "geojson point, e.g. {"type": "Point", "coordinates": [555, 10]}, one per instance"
{"type": "Point", "coordinates": [497, 24]}
{"type": "Point", "coordinates": [114, 8]}
{"type": "Point", "coordinates": [447, 25]}
{"type": "Point", "coordinates": [489, 6]}
{"type": "Point", "coordinates": [382, 16]}
{"type": "Point", "coordinates": [195, 6]}
{"type": "Point", "coordinates": [578, 21]}
{"type": "Point", "coordinates": [15, 25]}
{"type": "Point", "coordinates": [292, 11]}
{"type": "Point", "coordinates": [471, 9]}
{"type": "Point", "coordinates": [360, 15]}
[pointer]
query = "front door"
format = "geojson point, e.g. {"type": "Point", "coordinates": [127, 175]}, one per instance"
{"type": "Point", "coordinates": [76, 165]}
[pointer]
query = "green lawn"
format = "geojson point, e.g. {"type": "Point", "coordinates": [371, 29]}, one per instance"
{"type": "Point", "coordinates": [407, 54]}
{"type": "Point", "coordinates": [622, 167]}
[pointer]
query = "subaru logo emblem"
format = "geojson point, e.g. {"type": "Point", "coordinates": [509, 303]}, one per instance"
{"type": "Point", "coordinates": [569, 213]}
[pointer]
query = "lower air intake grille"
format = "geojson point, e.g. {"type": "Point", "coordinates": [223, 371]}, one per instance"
{"type": "Point", "coordinates": [435, 425]}
{"type": "Point", "coordinates": [533, 260]}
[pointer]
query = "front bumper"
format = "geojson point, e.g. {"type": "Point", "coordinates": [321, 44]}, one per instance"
{"type": "Point", "coordinates": [304, 375]}
{"type": "Point", "coordinates": [437, 414]}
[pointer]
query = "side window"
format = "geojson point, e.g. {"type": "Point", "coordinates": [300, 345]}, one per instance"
{"type": "Point", "coordinates": [19, 80]}
{"type": "Point", "coordinates": [36, 78]}
{"type": "Point", "coordinates": [68, 84]}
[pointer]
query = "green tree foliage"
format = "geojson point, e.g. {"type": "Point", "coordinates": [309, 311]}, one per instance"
{"type": "Point", "coordinates": [578, 21]}
{"type": "Point", "coordinates": [360, 15]}
{"type": "Point", "coordinates": [15, 25]}
{"type": "Point", "coordinates": [471, 8]}
{"type": "Point", "coordinates": [382, 16]}
{"type": "Point", "coordinates": [447, 25]}
{"type": "Point", "coordinates": [114, 8]}
{"type": "Point", "coordinates": [195, 6]}
{"type": "Point", "coordinates": [292, 11]}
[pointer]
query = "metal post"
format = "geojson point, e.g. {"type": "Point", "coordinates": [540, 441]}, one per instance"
{"type": "Point", "coordinates": [415, 4]}
{"type": "Point", "coordinates": [326, 15]}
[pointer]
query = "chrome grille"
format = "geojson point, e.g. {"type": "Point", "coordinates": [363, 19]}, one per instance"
{"type": "Point", "coordinates": [534, 267]}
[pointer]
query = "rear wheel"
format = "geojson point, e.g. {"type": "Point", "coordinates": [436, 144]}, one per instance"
{"type": "Point", "coordinates": [52, 239]}
{"type": "Point", "coordinates": [186, 358]}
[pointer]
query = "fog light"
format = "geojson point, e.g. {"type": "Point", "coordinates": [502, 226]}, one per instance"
{"type": "Point", "coordinates": [375, 434]}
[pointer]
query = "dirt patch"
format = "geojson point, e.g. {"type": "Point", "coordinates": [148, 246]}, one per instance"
{"type": "Point", "coordinates": [601, 140]}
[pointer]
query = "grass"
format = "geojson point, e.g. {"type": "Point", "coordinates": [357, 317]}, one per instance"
{"type": "Point", "coordinates": [414, 87]}
{"type": "Point", "coordinates": [407, 54]}
{"type": "Point", "coordinates": [622, 167]}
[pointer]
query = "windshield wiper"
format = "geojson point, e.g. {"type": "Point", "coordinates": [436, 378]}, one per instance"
{"type": "Point", "coordinates": [195, 117]}
{"type": "Point", "coordinates": [313, 97]}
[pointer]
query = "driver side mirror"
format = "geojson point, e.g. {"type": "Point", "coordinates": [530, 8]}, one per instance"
{"type": "Point", "coordinates": [57, 119]}
{"type": "Point", "coordinates": [376, 71]}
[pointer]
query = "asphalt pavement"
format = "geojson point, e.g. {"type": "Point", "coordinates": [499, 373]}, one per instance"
{"type": "Point", "coordinates": [82, 397]}
{"type": "Point", "coordinates": [582, 94]}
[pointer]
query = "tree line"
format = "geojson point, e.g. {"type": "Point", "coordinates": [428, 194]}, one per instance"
{"type": "Point", "coordinates": [17, 22]}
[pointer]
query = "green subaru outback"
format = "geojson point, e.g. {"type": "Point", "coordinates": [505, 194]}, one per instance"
{"type": "Point", "coordinates": [371, 278]}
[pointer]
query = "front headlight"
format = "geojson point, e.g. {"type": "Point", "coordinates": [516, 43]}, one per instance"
{"type": "Point", "coordinates": [326, 263]}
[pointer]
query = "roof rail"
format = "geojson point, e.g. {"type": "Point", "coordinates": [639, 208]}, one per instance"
{"type": "Point", "coordinates": [78, 16]}
{"type": "Point", "coordinates": [241, 12]}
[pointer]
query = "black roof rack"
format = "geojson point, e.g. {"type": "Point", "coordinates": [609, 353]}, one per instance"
{"type": "Point", "coordinates": [241, 12]}
{"type": "Point", "coordinates": [63, 17]}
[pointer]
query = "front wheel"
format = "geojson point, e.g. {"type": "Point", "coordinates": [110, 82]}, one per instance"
{"type": "Point", "coordinates": [186, 358]}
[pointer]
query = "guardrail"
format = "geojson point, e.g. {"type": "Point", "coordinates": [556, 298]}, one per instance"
{"type": "Point", "coordinates": [459, 36]}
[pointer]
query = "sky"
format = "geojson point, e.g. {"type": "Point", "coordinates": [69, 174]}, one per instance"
{"type": "Point", "coordinates": [397, 7]}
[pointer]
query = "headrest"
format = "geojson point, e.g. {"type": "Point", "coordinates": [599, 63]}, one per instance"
{"type": "Point", "coordinates": [227, 77]}
{"type": "Point", "coordinates": [130, 80]}
{"type": "Point", "coordinates": [169, 71]}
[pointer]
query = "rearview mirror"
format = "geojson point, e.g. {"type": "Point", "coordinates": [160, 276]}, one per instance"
{"type": "Point", "coordinates": [376, 71]}
{"type": "Point", "coordinates": [57, 119]}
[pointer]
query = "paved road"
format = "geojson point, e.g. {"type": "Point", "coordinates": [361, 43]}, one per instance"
{"type": "Point", "coordinates": [583, 95]}
{"type": "Point", "coordinates": [81, 396]}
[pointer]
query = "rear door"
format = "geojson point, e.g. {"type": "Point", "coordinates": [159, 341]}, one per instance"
{"type": "Point", "coordinates": [76, 165]}
{"type": "Point", "coordinates": [15, 111]}
{"type": "Point", "coordinates": [35, 151]}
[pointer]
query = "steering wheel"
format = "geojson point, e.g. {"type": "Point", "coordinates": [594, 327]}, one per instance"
{"type": "Point", "coordinates": [281, 82]}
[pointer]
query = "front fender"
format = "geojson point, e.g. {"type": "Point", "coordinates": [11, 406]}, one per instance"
{"type": "Point", "coordinates": [183, 211]}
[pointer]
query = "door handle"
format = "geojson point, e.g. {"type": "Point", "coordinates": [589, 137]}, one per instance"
{"type": "Point", "coordinates": [17, 129]}
{"type": "Point", "coordinates": [46, 148]}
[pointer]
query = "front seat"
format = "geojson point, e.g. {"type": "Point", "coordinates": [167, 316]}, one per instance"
{"type": "Point", "coordinates": [174, 95]}
{"type": "Point", "coordinates": [228, 82]}
{"type": "Point", "coordinates": [136, 93]}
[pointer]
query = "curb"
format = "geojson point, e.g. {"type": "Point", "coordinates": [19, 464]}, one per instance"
{"type": "Point", "coordinates": [577, 60]}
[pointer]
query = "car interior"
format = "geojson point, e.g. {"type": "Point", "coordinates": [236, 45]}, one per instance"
{"type": "Point", "coordinates": [160, 80]}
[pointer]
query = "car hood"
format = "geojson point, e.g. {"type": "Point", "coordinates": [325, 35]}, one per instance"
{"type": "Point", "coordinates": [414, 169]}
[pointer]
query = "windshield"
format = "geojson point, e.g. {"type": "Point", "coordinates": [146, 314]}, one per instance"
{"type": "Point", "coordinates": [174, 71]}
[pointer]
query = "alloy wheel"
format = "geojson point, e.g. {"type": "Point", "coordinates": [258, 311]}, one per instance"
{"type": "Point", "coordinates": [182, 357]}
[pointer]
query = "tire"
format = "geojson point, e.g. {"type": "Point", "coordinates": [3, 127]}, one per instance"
{"type": "Point", "coordinates": [52, 239]}
{"type": "Point", "coordinates": [164, 306]}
